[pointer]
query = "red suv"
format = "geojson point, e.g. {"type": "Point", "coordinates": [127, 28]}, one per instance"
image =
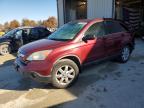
{"type": "Point", "coordinates": [59, 58]}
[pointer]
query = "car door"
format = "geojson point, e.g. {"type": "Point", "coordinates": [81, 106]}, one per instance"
{"type": "Point", "coordinates": [94, 49]}
{"type": "Point", "coordinates": [33, 35]}
{"type": "Point", "coordinates": [25, 36]}
{"type": "Point", "coordinates": [17, 40]}
{"type": "Point", "coordinates": [112, 39]}
{"type": "Point", "coordinates": [122, 34]}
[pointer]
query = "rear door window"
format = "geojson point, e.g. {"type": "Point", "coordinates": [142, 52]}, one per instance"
{"type": "Point", "coordinates": [34, 34]}
{"type": "Point", "coordinates": [113, 27]}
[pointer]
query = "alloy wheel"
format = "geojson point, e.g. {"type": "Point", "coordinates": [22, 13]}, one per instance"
{"type": "Point", "coordinates": [125, 53]}
{"type": "Point", "coordinates": [65, 75]}
{"type": "Point", "coordinates": [4, 49]}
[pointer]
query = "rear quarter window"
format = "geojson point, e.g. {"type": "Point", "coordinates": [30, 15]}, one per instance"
{"type": "Point", "coordinates": [44, 32]}
{"type": "Point", "coordinates": [124, 26]}
{"type": "Point", "coordinates": [119, 27]}
{"type": "Point", "coordinates": [114, 27]}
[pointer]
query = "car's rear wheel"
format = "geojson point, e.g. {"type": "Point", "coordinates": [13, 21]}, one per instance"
{"type": "Point", "coordinates": [125, 54]}
{"type": "Point", "coordinates": [5, 49]}
{"type": "Point", "coordinates": [142, 37]}
{"type": "Point", "coordinates": [64, 73]}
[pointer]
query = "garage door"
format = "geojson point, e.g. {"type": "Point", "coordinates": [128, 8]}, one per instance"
{"type": "Point", "coordinates": [100, 9]}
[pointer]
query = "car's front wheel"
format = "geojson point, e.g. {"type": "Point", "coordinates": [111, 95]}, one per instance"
{"type": "Point", "coordinates": [4, 49]}
{"type": "Point", "coordinates": [125, 54]}
{"type": "Point", "coordinates": [64, 73]}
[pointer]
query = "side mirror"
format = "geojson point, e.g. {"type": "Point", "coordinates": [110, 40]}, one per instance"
{"type": "Point", "coordinates": [88, 37]}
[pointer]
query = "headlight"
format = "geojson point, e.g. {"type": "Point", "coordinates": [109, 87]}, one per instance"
{"type": "Point", "coordinates": [40, 55]}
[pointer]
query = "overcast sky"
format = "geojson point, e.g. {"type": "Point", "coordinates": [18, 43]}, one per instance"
{"type": "Point", "coordinates": [31, 9]}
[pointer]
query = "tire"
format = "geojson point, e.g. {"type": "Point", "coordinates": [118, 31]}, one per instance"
{"type": "Point", "coordinates": [125, 54]}
{"type": "Point", "coordinates": [64, 73]}
{"type": "Point", "coordinates": [5, 49]}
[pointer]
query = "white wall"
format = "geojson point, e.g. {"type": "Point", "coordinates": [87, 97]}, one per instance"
{"type": "Point", "coordinates": [100, 9]}
{"type": "Point", "coordinates": [60, 12]}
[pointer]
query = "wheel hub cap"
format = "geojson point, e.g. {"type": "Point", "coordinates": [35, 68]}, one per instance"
{"type": "Point", "coordinates": [65, 75]}
{"type": "Point", "coordinates": [125, 54]}
{"type": "Point", "coordinates": [4, 49]}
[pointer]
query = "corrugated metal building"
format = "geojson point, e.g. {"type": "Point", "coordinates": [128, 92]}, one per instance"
{"type": "Point", "coordinates": [81, 9]}
{"type": "Point", "coordinates": [130, 11]}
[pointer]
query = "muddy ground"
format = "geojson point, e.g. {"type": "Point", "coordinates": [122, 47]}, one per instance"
{"type": "Point", "coordinates": [104, 85]}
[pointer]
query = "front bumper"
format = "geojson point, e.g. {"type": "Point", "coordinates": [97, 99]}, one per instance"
{"type": "Point", "coordinates": [32, 71]}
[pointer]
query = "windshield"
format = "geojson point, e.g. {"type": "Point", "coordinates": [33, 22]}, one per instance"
{"type": "Point", "coordinates": [67, 32]}
{"type": "Point", "coordinates": [10, 33]}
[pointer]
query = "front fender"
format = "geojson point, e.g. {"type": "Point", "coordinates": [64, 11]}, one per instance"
{"type": "Point", "coordinates": [65, 56]}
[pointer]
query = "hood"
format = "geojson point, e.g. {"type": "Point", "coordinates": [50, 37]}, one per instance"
{"type": "Point", "coordinates": [4, 39]}
{"type": "Point", "coordinates": [40, 45]}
